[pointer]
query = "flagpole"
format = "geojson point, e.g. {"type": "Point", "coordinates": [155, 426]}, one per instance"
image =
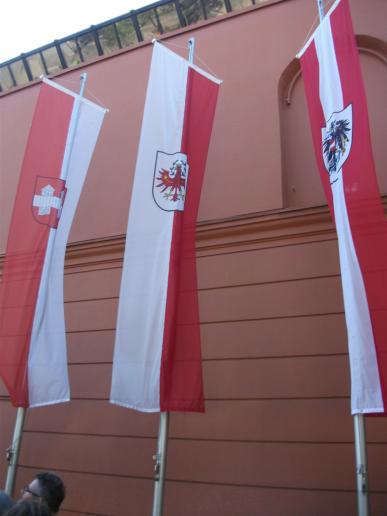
{"type": "Point", "coordinates": [161, 456]}
{"type": "Point", "coordinates": [358, 419]}
{"type": "Point", "coordinates": [72, 129]}
{"type": "Point", "coordinates": [361, 465]}
{"type": "Point", "coordinates": [14, 450]}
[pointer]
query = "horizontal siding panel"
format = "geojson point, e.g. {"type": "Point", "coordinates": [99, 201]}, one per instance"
{"type": "Point", "coordinates": [99, 494]}
{"type": "Point", "coordinates": [291, 262]}
{"type": "Point", "coordinates": [90, 346]}
{"type": "Point", "coordinates": [290, 465]}
{"type": "Point", "coordinates": [264, 420]}
{"type": "Point", "coordinates": [376, 429]}
{"type": "Point", "coordinates": [92, 417]}
{"type": "Point", "coordinates": [208, 500]}
{"type": "Point", "coordinates": [376, 466]}
{"type": "Point", "coordinates": [90, 380]}
{"type": "Point", "coordinates": [241, 379]}
{"type": "Point", "coordinates": [267, 420]}
{"type": "Point", "coordinates": [306, 297]}
{"type": "Point", "coordinates": [303, 298]}
{"type": "Point", "coordinates": [91, 315]}
{"type": "Point", "coordinates": [277, 378]}
{"type": "Point", "coordinates": [316, 420]}
{"type": "Point", "coordinates": [113, 496]}
{"type": "Point", "coordinates": [291, 336]}
{"type": "Point", "coordinates": [245, 339]}
{"type": "Point", "coordinates": [95, 284]}
{"type": "Point", "coordinates": [109, 495]}
{"type": "Point", "coordinates": [279, 263]}
{"type": "Point", "coordinates": [90, 454]}
{"type": "Point", "coordinates": [316, 335]}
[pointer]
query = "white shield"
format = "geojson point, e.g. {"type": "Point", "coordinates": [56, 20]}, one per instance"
{"type": "Point", "coordinates": [48, 200]}
{"type": "Point", "coordinates": [337, 141]}
{"type": "Point", "coordinates": [170, 181]}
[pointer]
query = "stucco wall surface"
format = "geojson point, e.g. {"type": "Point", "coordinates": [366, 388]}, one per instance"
{"type": "Point", "coordinates": [277, 435]}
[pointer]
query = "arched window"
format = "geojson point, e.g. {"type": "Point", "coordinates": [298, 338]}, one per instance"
{"type": "Point", "coordinates": [302, 186]}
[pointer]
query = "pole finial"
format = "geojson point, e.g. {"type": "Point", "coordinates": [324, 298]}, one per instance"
{"type": "Point", "coordinates": [83, 79]}
{"type": "Point", "coordinates": [321, 12]}
{"type": "Point", "coordinates": [191, 49]}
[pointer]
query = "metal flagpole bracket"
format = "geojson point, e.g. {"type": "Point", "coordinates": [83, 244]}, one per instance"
{"type": "Point", "coordinates": [361, 472]}
{"type": "Point", "coordinates": [9, 452]}
{"type": "Point", "coordinates": [13, 451]}
{"type": "Point", "coordinates": [157, 466]}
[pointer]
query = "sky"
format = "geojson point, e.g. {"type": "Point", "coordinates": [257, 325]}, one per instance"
{"type": "Point", "coordinates": [28, 24]}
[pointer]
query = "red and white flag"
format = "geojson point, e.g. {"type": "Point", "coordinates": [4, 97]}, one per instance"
{"type": "Point", "coordinates": [157, 356]}
{"type": "Point", "coordinates": [341, 136]}
{"type": "Point", "coordinates": [33, 360]}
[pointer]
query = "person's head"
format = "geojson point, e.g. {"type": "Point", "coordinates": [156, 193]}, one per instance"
{"type": "Point", "coordinates": [47, 487]}
{"type": "Point", "coordinates": [33, 507]}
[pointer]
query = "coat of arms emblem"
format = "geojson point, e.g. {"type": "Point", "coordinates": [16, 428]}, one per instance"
{"type": "Point", "coordinates": [337, 141]}
{"type": "Point", "coordinates": [170, 181]}
{"type": "Point", "coordinates": [48, 200]}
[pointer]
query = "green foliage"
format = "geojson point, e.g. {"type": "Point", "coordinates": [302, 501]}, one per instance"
{"type": "Point", "coordinates": [193, 12]}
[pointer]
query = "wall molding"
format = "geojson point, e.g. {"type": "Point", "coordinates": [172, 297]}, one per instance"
{"type": "Point", "coordinates": [234, 234]}
{"type": "Point", "coordinates": [253, 231]}
{"type": "Point", "coordinates": [365, 44]}
{"type": "Point", "coordinates": [239, 233]}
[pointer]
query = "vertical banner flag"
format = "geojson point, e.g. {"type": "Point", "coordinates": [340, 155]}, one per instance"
{"type": "Point", "coordinates": [33, 359]}
{"type": "Point", "coordinates": [341, 137]}
{"type": "Point", "coordinates": [157, 357]}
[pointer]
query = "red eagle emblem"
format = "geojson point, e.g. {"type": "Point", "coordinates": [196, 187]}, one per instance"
{"type": "Point", "coordinates": [172, 182]}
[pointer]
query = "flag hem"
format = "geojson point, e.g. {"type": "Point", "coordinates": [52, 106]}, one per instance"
{"type": "Point", "coordinates": [52, 402]}
{"type": "Point", "coordinates": [133, 407]}
{"type": "Point", "coordinates": [379, 410]}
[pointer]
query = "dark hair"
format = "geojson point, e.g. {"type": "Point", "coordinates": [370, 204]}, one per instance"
{"type": "Point", "coordinates": [29, 508]}
{"type": "Point", "coordinates": [52, 490]}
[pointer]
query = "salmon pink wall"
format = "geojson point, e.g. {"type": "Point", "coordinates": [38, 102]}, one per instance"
{"type": "Point", "coordinates": [277, 435]}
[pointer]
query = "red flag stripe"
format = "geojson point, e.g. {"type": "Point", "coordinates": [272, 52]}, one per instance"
{"type": "Point", "coordinates": [333, 85]}
{"type": "Point", "coordinates": [365, 211]}
{"type": "Point", "coordinates": [156, 363]}
{"type": "Point", "coordinates": [181, 386]}
{"type": "Point", "coordinates": [27, 240]}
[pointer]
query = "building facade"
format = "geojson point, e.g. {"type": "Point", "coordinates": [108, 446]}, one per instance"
{"type": "Point", "coordinates": [277, 435]}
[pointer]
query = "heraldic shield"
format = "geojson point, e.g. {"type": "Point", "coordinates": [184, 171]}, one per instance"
{"type": "Point", "coordinates": [337, 141]}
{"type": "Point", "coordinates": [48, 200]}
{"type": "Point", "coordinates": [170, 181]}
